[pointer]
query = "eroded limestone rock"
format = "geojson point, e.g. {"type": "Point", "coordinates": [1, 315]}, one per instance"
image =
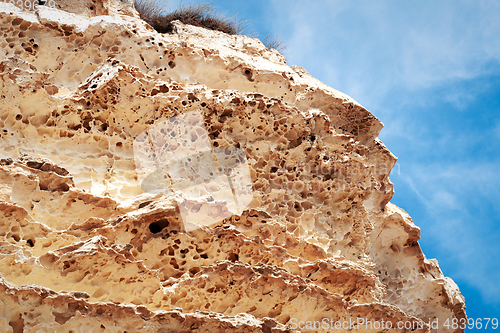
{"type": "Point", "coordinates": [266, 208]}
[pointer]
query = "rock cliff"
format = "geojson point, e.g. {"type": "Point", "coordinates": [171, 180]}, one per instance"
{"type": "Point", "coordinates": [193, 181]}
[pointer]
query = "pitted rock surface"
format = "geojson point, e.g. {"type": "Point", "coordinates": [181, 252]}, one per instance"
{"type": "Point", "coordinates": [90, 241]}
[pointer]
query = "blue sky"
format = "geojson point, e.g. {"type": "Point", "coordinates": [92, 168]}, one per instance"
{"type": "Point", "coordinates": [430, 71]}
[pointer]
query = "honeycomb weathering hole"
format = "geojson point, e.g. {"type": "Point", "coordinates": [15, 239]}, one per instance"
{"type": "Point", "coordinates": [158, 226]}
{"type": "Point", "coordinates": [17, 324]}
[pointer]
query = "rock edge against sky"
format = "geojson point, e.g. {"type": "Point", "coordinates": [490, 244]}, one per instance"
{"type": "Point", "coordinates": [192, 180]}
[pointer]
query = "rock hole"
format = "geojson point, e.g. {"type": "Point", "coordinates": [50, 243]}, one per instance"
{"type": "Point", "coordinates": [173, 262]}
{"type": "Point", "coordinates": [169, 250]}
{"type": "Point", "coordinates": [61, 317]}
{"type": "Point", "coordinates": [66, 265]}
{"type": "Point", "coordinates": [145, 203]}
{"type": "Point", "coordinates": [158, 226]}
{"type": "Point", "coordinates": [194, 270]}
{"type": "Point", "coordinates": [17, 324]}
{"type": "Point", "coordinates": [192, 97]}
{"type": "Point", "coordinates": [48, 259]}
{"type": "Point", "coordinates": [248, 73]}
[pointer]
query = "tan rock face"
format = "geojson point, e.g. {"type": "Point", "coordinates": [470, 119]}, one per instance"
{"type": "Point", "coordinates": [193, 181]}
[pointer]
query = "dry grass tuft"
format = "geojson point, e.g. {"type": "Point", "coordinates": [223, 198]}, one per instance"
{"type": "Point", "coordinates": [148, 9]}
{"type": "Point", "coordinates": [204, 16]}
{"type": "Point", "coordinates": [274, 43]}
{"type": "Point", "coordinates": [200, 16]}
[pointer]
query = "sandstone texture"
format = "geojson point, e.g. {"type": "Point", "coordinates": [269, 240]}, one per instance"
{"type": "Point", "coordinates": [193, 182]}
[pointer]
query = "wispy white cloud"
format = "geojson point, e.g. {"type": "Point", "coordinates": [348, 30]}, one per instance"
{"type": "Point", "coordinates": [446, 200]}
{"type": "Point", "coordinates": [374, 46]}
{"type": "Point", "coordinates": [460, 99]}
